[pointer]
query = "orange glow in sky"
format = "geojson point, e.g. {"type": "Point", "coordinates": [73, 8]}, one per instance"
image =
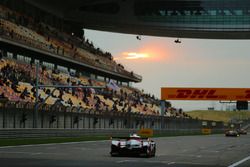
{"type": "Point", "coordinates": [134, 55]}
{"type": "Point", "coordinates": [156, 50]}
{"type": "Point", "coordinates": [150, 51]}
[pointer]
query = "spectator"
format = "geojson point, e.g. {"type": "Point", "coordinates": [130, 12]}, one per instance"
{"type": "Point", "coordinates": [70, 102]}
{"type": "Point", "coordinates": [79, 107]}
{"type": "Point", "coordinates": [25, 93]}
{"type": "Point", "coordinates": [40, 99]}
{"type": "Point", "coordinates": [2, 96]}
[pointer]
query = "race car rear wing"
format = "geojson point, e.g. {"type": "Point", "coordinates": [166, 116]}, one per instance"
{"type": "Point", "coordinates": [128, 138]}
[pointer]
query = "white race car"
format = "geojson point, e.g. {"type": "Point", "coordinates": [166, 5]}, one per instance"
{"type": "Point", "coordinates": [133, 145]}
{"type": "Point", "coordinates": [232, 133]}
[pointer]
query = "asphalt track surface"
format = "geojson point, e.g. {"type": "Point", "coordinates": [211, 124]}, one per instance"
{"type": "Point", "coordinates": [182, 151]}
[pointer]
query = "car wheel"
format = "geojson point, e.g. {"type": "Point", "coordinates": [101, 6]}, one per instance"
{"type": "Point", "coordinates": [153, 152]}
{"type": "Point", "coordinates": [148, 152]}
{"type": "Point", "coordinates": [113, 154]}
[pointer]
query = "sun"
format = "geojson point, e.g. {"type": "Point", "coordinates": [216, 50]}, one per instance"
{"type": "Point", "coordinates": [134, 55]}
{"type": "Point", "coordinates": [155, 51]}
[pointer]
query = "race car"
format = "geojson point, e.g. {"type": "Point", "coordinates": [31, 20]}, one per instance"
{"type": "Point", "coordinates": [132, 145]}
{"type": "Point", "coordinates": [242, 131]}
{"type": "Point", "coordinates": [232, 133]}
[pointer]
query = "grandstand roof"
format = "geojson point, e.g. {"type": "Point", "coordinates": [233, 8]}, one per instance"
{"type": "Point", "coordinates": [192, 19]}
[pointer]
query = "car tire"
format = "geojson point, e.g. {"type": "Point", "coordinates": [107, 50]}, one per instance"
{"type": "Point", "coordinates": [113, 155]}
{"type": "Point", "coordinates": [153, 152]}
{"type": "Point", "coordinates": [148, 152]}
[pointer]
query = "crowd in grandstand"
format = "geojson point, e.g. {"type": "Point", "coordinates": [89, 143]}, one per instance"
{"type": "Point", "coordinates": [34, 32]}
{"type": "Point", "coordinates": [18, 79]}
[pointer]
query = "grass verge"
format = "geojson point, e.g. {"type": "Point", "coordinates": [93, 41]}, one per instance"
{"type": "Point", "coordinates": [177, 134]}
{"type": "Point", "coordinates": [28, 141]}
{"type": "Point", "coordinates": [31, 141]}
{"type": "Point", "coordinates": [224, 116]}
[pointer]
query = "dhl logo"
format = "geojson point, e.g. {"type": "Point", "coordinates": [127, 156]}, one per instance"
{"type": "Point", "coordinates": [206, 94]}
{"type": "Point", "coordinates": [182, 93]}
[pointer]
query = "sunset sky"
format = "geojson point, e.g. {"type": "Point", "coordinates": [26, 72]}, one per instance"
{"type": "Point", "coordinates": [192, 63]}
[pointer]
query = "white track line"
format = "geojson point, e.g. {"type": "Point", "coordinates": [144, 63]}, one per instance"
{"type": "Point", "coordinates": [29, 153]}
{"type": "Point", "coordinates": [126, 160]}
{"type": "Point", "coordinates": [51, 144]}
{"type": "Point", "coordinates": [240, 162]}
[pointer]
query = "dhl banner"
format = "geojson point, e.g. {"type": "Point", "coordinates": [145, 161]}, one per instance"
{"type": "Point", "coordinates": [226, 94]}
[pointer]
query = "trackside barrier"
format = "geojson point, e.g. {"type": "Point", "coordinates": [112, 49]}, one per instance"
{"type": "Point", "coordinates": [45, 133]}
{"type": "Point", "coordinates": [16, 120]}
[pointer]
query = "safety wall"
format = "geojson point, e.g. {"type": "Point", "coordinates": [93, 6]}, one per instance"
{"type": "Point", "coordinates": [21, 117]}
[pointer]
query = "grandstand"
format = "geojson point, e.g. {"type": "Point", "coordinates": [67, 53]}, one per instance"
{"type": "Point", "coordinates": [70, 61]}
{"type": "Point", "coordinates": [66, 46]}
{"type": "Point", "coordinates": [17, 80]}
